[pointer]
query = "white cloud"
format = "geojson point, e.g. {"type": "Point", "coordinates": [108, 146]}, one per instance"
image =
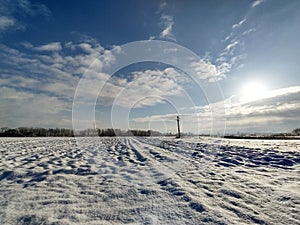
{"type": "Point", "coordinates": [227, 58]}
{"type": "Point", "coordinates": [26, 44]}
{"type": "Point", "coordinates": [168, 23]}
{"type": "Point", "coordinates": [234, 40]}
{"type": "Point", "coordinates": [248, 31]}
{"type": "Point", "coordinates": [33, 9]}
{"type": "Point", "coordinates": [146, 88]}
{"type": "Point", "coordinates": [54, 46]}
{"type": "Point", "coordinates": [18, 81]}
{"type": "Point", "coordinates": [257, 3]}
{"type": "Point", "coordinates": [278, 111]}
{"type": "Point", "coordinates": [6, 22]}
{"type": "Point", "coordinates": [9, 10]}
{"type": "Point", "coordinates": [56, 75]}
{"type": "Point", "coordinates": [228, 37]}
{"type": "Point", "coordinates": [163, 5]}
{"type": "Point", "coordinates": [205, 70]}
{"type": "Point", "coordinates": [86, 47]}
{"type": "Point", "coordinates": [165, 117]}
{"type": "Point", "coordinates": [239, 24]}
{"type": "Point", "coordinates": [47, 77]}
{"type": "Point", "coordinates": [33, 81]}
{"type": "Point", "coordinates": [280, 108]}
{"type": "Point", "coordinates": [230, 46]}
{"type": "Point", "coordinates": [61, 63]}
{"type": "Point", "coordinates": [23, 108]}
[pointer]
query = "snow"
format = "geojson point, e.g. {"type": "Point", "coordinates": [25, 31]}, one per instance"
{"type": "Point", "coordinates": [121, 180]}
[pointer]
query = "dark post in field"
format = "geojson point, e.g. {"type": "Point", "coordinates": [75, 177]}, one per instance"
{"type": "Point", "coordinates": [178, 127]}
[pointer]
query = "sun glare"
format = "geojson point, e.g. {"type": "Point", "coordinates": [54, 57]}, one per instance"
{"type": "Point", "coordinates": [253, 91]}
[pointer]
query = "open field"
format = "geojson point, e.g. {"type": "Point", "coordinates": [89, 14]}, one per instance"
{"type": "Point", "coordinates": [149, 181]}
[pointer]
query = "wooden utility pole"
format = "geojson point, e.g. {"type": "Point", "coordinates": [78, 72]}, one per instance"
{"type": "Point", "coordinates": [178, 127]}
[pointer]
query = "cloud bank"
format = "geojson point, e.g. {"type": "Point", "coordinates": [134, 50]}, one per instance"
{"type": "Point", "coordinates": [280, 108]}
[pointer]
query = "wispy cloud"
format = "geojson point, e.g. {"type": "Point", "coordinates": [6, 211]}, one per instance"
{"type": "Point", "coordinates": [10, 12]}
{"type": "Point", "coordinates": [168, 23]}
{"type": "Point", "coordinates": [54, 46]}
{"type": "Point", "coordinates": [239, 24]}
{"type": "Point", "coordinates": [231, 45]}
{"type": "Point", "coordinates": [227, 58]}
{"type": "Point", "coordinates": [6, 22]}
{"type": "Point", "coordinates": [163, 5]}
{"type": "Point", "coordinates": [233, 41]}
{"type": "Point", "coordinates": [257, 3]}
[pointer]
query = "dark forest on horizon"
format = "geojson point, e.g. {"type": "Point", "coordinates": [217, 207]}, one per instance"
{"type": "Point", "coordinates": [66, 132]}
{"type": "Point", "coordinates": [110, 132]}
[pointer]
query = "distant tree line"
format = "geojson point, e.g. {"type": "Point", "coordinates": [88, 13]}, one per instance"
{"type": "Point", "coordinates": [109, 132]}
{"type": "Point", "coordinates": [36, 132]}
{"type": "Point", "coordinates": [65, 132]}
{"type": "Point", "coordinates": [289, 135]}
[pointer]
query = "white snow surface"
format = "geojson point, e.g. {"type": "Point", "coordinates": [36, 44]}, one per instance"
{"type": "Point", "coordinates": [149, 181]}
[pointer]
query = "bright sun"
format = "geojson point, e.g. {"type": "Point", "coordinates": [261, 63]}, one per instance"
{"type": "Point", "coordinates": [253, 91]}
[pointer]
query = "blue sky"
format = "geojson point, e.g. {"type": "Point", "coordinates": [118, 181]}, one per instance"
{"type": "Point", "coordinates": [247, 50]}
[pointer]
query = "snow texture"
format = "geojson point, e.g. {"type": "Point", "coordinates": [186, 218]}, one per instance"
{"type": "Point", "coordinates": [148, 181]}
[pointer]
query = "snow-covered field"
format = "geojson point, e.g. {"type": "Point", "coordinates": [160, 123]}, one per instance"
{"type": "Point", "coordinates": [149, 181]}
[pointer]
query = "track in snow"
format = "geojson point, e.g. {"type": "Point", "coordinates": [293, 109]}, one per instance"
{"type": "Point", "coordinates": [148, 181]}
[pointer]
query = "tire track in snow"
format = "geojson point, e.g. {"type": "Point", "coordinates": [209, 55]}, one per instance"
{"type": "Point", "coordinates": [180, 184]}
{"type": "Point", "coordinates": [170, 180]}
